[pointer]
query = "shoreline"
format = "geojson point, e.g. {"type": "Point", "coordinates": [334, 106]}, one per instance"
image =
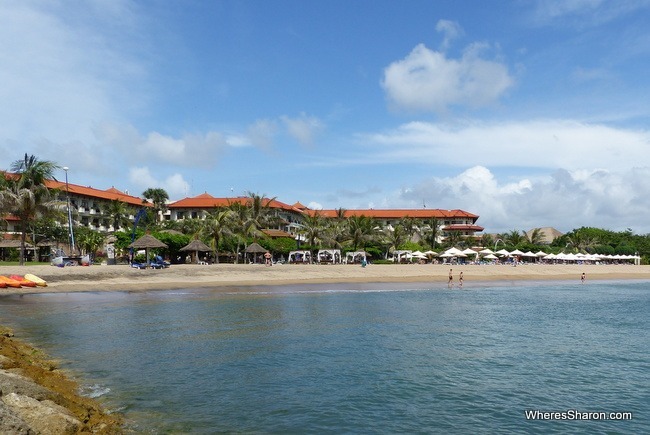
{"type": "Point", "coordinates": [38, 397]}
{"type": "Point", "coordinates": [97, 278]}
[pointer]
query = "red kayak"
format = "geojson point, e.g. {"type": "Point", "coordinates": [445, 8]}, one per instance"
{"type": "Point", "coordinates": [23, 281]}
{"type": "Point", "coordinates": [9, 282]}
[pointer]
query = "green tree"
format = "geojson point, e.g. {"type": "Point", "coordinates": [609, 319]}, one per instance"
{"type": "Point", "coordinates": [158, 198]}
{"type": "Point", "coordinates": [120, 214]}
{"type": "Point", "coordinates": [24, 194]}
{"type": "Point", "coordinates": [535, 236]}
{"type": "Point", "coordinates": [360, 230]}
{"type": "Point", "coordinates": [89, 241]}
{"type": "Point", "coordinates": [431, 232]}
{"type": "Point", "coordinates": [216, 227]}
{"type": "Point", "coordinates": [514, 238]}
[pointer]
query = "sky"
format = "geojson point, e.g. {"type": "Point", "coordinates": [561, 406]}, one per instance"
{"type": "Point", "coordinates": [528, 113]}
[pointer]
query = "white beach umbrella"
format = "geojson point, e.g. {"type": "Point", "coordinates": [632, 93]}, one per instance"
{"type": "Point", "coordinates": [454, 251]}
{"type": "Point", "coordinates": [491, 256]}
{"type": "Point", "coordinates": [430, 252]}
{"type": "Point", "coordinates": [503, 252]}
{"type": "Point", "coordinates": [486, 251]}
{"type": "Point", "coordinates": [469, 251]}
{"type": "Point", "coordinates": [529, 254]}
{"type": "Point", "coordinates": [516, 252]}
{"type": "Point", "coordinates": [541, 254]}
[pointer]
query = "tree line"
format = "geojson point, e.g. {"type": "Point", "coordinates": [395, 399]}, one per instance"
{"type": "Point", "coordinates": [228, 230]}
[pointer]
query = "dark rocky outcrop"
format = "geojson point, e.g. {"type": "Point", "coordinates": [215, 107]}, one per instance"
{"type": "Point", "coordinates": [37, 398]}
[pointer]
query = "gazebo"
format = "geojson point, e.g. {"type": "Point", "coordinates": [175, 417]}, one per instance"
{"type": "Point", "coordinates": [147, 242]}
{"type": "Point", "coordinates": [196, 246]}
{"type": "Point", "coordinates": [255, 248]}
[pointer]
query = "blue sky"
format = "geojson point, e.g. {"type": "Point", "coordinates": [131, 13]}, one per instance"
{"type": "Point", "coordinates": [527, 113]}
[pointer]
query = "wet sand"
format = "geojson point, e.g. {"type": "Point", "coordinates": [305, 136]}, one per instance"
{"type": "Point", "coordinates": [220, 276]}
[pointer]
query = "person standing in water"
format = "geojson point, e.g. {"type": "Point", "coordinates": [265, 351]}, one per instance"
{"type": "Point", "coordinates": [451, 278]}
{"type": "Point", "coordinates": [583, 277]}
{"type": "Point", "coordinates": [460, 279]}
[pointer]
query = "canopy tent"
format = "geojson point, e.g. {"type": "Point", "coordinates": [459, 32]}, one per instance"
{"type": "Point", "coordinates": [356, 257]}
{"type": "Point", "coordinates": [329, 256]}
{"type": "Point", "coordinates": [196, 246]}
{"type": "Point", "coordinates": [486, 251]}
{"type": "Point", "coordinates": [147, 242]}
{"type": "Point", "coordinates": [399, 256]}
{"type": "Point", "coordinates": [299, 257]}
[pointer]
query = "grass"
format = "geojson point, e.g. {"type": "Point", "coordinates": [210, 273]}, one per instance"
{"type": "Point", "coordinates": [28, 263]}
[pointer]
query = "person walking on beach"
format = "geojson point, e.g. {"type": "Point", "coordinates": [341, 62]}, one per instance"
{"type": "Point", "coordinates": [583, 277]}
{"type": "Point", "coordinates": [451, 278]}
{"type": "Point", "coordinates": [460, 279]}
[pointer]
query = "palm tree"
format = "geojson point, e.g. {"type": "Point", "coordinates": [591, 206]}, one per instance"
{"type": "Point", "coordinates": [159, 198]}
{"type": "Point", "coordinates": [360, 230]}
{"type": "Point", "coordinates": [25, 195]}
{"type": "Point", "coordinates": [120, 214]}
{"type": "Point", "coordinates": [239, 220]}
{"type": "Point", "coordinates": [394, 238]}
{"type": "Point", "coordinates": [217, 226]}
{"type": "Point", "coordinates": [514, 238]}
{"type": "Point", "coordinates": [89, 240]}
{"type": "Point", "coordinates": [259, 215]}
{"type": "Point", "coordinates": [431, 231]}
{"type": "Point", "coordinates": [410, 227]}
{"type": "Point", "coordinates": [535, 236]}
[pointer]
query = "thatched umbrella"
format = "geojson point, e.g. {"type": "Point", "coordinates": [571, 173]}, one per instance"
{"type": "Point", "coordinates": [196, 246]}
{"type": "Point", "coordinates": [147, 242]}
{"type": "Point", "coordinates": [255, 248]}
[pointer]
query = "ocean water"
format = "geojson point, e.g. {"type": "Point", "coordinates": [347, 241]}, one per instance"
{"type": "Point", "coordinates": [374, 358]}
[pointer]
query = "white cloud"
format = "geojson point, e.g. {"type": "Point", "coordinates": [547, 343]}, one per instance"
{"type": "Point", "coordinates": [427, 80]}
{"type": "Point", "coordinates": [562, 199]}
{"type": "Point", "coordinates": [142, 179]}
{"type": "Point", "coordinates": [58, 75]}
{"type": "Point", "coordinates": [261, 132]}
{"type": "Point", "coordinates": [303, 128]}
{"type": "Point", "coordinates": [538, 143]}
{"type": "Point", "coordinates": [451, 30]}
{"type": "Point", "coordinates": [190, 150]}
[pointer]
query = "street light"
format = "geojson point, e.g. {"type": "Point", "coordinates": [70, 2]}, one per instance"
{"type": "Point", "coordinates": [67, 192]}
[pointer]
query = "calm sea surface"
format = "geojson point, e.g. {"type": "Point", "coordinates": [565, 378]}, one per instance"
{"type": "Point", "coordinates": [384, 358]}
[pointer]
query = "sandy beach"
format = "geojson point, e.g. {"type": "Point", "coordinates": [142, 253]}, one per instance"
{"type": "Point", "coordinates": [125, 278]}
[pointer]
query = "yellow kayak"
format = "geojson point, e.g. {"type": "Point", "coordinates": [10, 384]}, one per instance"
{"type": "Point", "coordinates": [35, 279]}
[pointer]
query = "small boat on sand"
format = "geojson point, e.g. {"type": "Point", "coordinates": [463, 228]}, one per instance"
{"type": "Point", "coordinates": [23, 282]}
{"type": "Point", "coordinates": [10, 282]}
{"type": "Point", "coordinates": [40, 282]}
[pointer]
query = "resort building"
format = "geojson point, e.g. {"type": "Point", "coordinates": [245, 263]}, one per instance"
{"type": "Point", "coordinates": [449, 221]}
{"type": "Point", "coordinates": [198, 207]}
{"type": "Point", "coordinates": [90, 208]}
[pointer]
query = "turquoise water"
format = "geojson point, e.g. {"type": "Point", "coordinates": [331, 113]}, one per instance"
{"type": "Point", "coordinates": [377, 358]}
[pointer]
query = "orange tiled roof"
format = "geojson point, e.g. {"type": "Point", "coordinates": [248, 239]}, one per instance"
{"type": "Point", "coordinates": [277, 233]}
{"type": "Point", "coordinates": [205, 201]}
{"type": "Point", "coordinates": [111, 194]}
{"type": "Point", "coordinates": [425, 213]}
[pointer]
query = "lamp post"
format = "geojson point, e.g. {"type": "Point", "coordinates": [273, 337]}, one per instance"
{"type": "Point", "coordinates": [67, 192]}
